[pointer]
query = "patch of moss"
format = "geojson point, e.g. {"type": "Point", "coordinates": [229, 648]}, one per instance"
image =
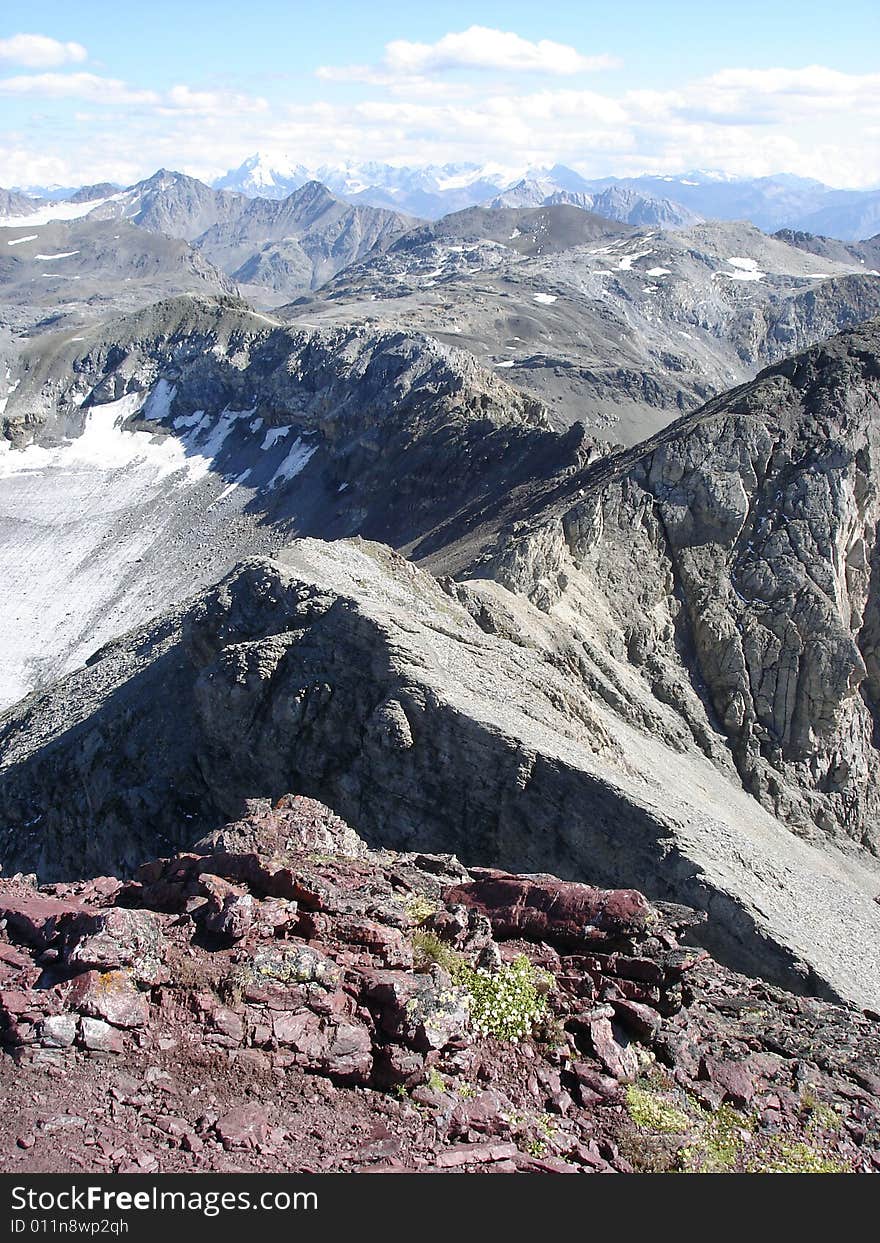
{"type": "Point", "coordinates": [653, 1112]}
{"type": "Point", "coordinates": [428, 948]}
{"type": "Point", "coordinates": [820, 1117]}
{"type": "Point", "coordinates": [419, 908]}
{"type": "Point", "coordinates": [786, 1156]}
{"type": "Point", "coordinates": [720, 1145]}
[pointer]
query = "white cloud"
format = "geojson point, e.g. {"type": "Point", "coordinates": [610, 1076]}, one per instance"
{"type": "Point", "coordinates": [76, 85]}
{"type": "Point", "coordinates": [812, 121]}
{"type": "Point", "coordinates": [478, 47]}
{"type": "Point", "coordinates": [216, 103]}
{"type": "Point", "coordinates": [40, 52]}
{"type": "Point", "coordinates": [112, 91]}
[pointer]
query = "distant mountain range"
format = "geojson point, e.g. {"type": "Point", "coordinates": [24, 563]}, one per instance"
{"type": "Point", "coordinates": [770, 203]}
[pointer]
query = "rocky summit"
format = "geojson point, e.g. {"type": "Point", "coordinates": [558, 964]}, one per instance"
{"type": "Point", "coordinates": [285, 996]}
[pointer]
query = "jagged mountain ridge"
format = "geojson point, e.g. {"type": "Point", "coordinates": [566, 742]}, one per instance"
{"type": "Point", "coordinates": [615, 203]}
{"type": "Point", "coordinates": [301, 241]}
{"type": "Point", "coordinates": [753, 524]}
{"type": "Point", "coordinates": [270, 247]}
{"type": "Point", "coordinates": [261, 433]}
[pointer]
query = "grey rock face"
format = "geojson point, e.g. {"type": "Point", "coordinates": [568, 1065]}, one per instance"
{"type": "Point", "coordinates": [866, 252]}
{"type": "Point", "coordinates": [297, 244]}
{"type": "Point", "coordinates": [347, 672]}
{"type": "Point", "coordinates": [615, 203]}
{"type": "Point", "coordinates": [733, 560]}
{"type": "Point", "coordinates": [173, 204]}
{"type": "Point", "coordinates": [13, 203]}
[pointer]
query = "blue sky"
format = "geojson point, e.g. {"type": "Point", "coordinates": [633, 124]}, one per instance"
{"type": "Point", "coordinates": [99, 90]}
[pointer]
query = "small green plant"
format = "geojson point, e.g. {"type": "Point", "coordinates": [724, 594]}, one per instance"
{"type": "Point", "coordinates": [466, 1091]}
{"type": "Point", "coordinates": [536, 1148]}
{"type": "Point", "coordinates": [428, 948]}
{"type": "Point", "coordinates": [507, 1004]}
{"type": "Point", "coordinates": [820, 1117]}
{"type": "Point", "coordinates": [719, 1147]}
{"type": "Point", "coordinates": [653, 1112]}
{"type": "Point", "coordinates": [434, 1080]}
{"type": "Point", "coordinates": [785, 1156]}
{"type": "Point", "coordinates": [419, 908]}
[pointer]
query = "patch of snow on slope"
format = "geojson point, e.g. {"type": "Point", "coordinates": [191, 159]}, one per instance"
{"type": "Point", "coordinates": [158, 405]}
{"type": "Point", "coordinates": [273, 435]}
{"type": "Point", "coordinates": [54, 211]}
{"type": "Point", "coordinates": [658, 272]}
{"type": "Point", "coordinates": [745, 269]}
{"type": "Point", "coordinates": [64, 254]}
{"type": "Point", "coordinates": [625, 264]}
{"type": "Point", "coordinates": [545, 298]}
{"type": "Point", "coordinates": [297, 457]}
{"type": "Point", "coordinates": [104, 445]}
{"type": "Point", "coordinates": [17, 241]}
{"type": "Point", "coordinates": [204, 442]}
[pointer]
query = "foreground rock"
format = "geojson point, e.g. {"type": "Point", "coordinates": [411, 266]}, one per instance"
{"type": "Point", "coordinates": [356, 1020]}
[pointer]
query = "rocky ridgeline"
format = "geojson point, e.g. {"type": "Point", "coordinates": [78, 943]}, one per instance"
{"type": "Point", "coordinates": [286, 998]}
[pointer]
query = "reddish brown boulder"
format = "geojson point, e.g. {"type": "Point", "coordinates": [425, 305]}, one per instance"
{"type": "Point", "coordinates": [243, 1127]}
{"type": "Point", "coordinates": [734, 1079]}
{"type": "Point", "coordinates": [619, 1060]}
{"type": "Point", "coordinates": [35, 919]}
{"type": "Point", "coordinates": [230, 909]}
{"type": "Point", "coordinates": [643, 1021]}
{"type": "Point", "coordinates": [475, 1154]}
{"type": "Point", "coordinates": [338, 1047]}
{"type": "Point", "coordinates": [389, 945]}
{"type": "Point", "coordinates": [109, 995]}
{"type": "Point", "coordinates": [546, 909]}
{"type": "Point", "coordinates": [417, 1010]}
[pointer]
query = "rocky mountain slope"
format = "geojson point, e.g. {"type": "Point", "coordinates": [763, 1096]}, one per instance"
{"type": "Point", "coordinates": [69, 275]}
{"type": "Point", "coordinates": [273, 249]}
{"type": "Point", "coordinates": [171, 203]}
{"type": "Point", "coordinates": [620, 330]}
{"type": "Point", "coordinates": [664, 656]}
{"type": "Point", "coordinates": [300, 242]}
{"type": "Point", "coordinates": [866, 252]}
{"type": "Point", "coordinates": [755, 521]}
{"type": "Point", "coordinates": [12, 203]}
{"type": "Point", "coordinates": [286, 999]}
